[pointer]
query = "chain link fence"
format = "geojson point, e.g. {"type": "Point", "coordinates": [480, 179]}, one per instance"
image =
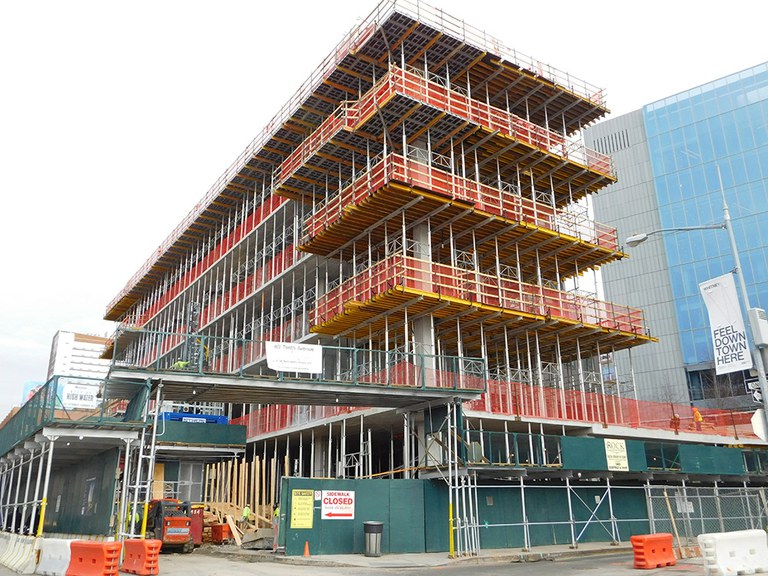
{"type": "Point", "coordinates": [687, 511]}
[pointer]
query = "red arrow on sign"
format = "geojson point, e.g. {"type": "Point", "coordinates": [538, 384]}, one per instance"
{"type": "Point", "coordinates": [339, 514]}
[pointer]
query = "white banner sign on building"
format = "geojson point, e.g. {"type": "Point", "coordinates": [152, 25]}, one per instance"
{"type": "Point", "coordinates": [616, 455]}
{"type": "Point", "coordinates": [81, 396]}
{"type": "Point", "coordinates": [289, 357]}
{"type": "Point", "coordinates": [727, 325]}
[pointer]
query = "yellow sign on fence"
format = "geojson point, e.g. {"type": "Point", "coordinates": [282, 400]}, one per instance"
{"type": "Point", "coordinates": [302, 508]}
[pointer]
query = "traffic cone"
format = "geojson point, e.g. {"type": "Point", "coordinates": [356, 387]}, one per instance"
{"type": "Point", "coordinates": [306, 549]}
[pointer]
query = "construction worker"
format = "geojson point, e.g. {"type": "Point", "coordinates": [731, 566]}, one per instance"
{"type": "Point", "coordinates": [275, 525]}
{"type": "Point", "coordinates": [697, 419]}
{"type": "Point", "coordinates": [180, 364]}
{"type": "Point", "coordinates": [674, 422]}
{"type": "Point", "coordinates": [136, 522]}
{"type": "Point", "coordinates": [245, 517]}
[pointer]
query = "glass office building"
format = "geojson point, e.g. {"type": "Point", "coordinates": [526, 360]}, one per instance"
{"type": "Point", "coordinates": [667, 157]}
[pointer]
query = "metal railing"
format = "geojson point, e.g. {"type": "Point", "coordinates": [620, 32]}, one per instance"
{"type": "Point", "coordinates": [203, 354]}
{"type": "Point", "coordinates": [62, 399]}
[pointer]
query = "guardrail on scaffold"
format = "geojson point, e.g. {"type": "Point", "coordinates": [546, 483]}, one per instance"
{"type": "Point", "coordinates": [414, 84]}
{"type": "Point", "coordinates": [352, 42]}
{"type": "Point", "coordinates": [63, 399]}
{"type": "Point", "coordinates": [202, 354]}
{"type": "Point", "coordinates": [587, 403]}
{"type": "Point", "coordinates": [506, 202]}
{"type": "Point", "coordinates": [450, 281]}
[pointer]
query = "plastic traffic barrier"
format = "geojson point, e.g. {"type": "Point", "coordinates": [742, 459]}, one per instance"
{"type": "Point", "coordinates": [21, 557]}
{"type": "Point", "coordinates": [653, 550]}
{"type": "Point", "coordinates": [94, 558]}
{"type": "Point", "coordinates": [732, 553]}
{"type": "Point", "coordinates": [54, 556]}
{"type": "Point", "coordinates": [141, 557]}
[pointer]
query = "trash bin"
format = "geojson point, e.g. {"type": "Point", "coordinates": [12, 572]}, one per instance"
{"type": "Point", "coordinates": [373, 532]}
{"type": "Point", "coordinates": [197, 512]}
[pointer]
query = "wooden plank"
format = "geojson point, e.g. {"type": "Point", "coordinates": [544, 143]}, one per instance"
{"type": "Point", "coordinates": [235, 530]}
{"type": "Point", "coordinates": [205, 484]}
{"type": "Point", "coordinates": [272, 475]}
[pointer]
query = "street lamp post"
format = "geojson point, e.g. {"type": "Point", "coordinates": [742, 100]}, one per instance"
{"type": "Point", "coordinates": [757, 358]}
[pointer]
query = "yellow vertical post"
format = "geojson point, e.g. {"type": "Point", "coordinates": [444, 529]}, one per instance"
{"type": "Point", "coordinates": [43, 505]}
{"type": "Point", "coordinates": [451, 550]}
{"type": "Point", "coordinates": [143, 532]}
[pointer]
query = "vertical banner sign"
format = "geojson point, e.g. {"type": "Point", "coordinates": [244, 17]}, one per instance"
{"type": "Point", "coordinates": [727, 325]}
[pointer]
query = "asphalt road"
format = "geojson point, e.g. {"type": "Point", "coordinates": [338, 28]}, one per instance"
{"type": "Point", "coordinates": [202, 564]}
{"type": "Point", "coordinates": [603, 565]}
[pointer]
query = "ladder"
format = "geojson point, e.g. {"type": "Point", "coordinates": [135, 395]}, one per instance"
{"type": "Point", "coordinates": [138, 473]}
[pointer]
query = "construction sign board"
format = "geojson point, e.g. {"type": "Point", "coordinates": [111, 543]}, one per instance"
{"type": "Point", "coordinates": [302, 508]}
{"type": "Point", "coordinates": [337, 505]}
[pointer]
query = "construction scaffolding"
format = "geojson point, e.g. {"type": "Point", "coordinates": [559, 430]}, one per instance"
{"type": "Point", "coordinates": [416, 209]}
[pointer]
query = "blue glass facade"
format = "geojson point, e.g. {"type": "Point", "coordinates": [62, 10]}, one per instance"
{"type": "Point", "coordinates": [723, 123]}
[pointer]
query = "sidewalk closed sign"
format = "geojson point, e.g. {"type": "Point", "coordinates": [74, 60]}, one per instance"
{"type": "Point", "coordinates": [337, 505]}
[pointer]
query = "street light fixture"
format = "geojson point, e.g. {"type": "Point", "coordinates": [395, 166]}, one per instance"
{"type": "Point", "coordinates": [757, 358]}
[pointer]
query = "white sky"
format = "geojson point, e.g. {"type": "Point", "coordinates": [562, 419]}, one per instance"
{"type": "Point", "coordinates": [116, 117]}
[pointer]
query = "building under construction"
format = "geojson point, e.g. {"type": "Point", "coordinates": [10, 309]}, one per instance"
{"type": "Point", "coordinates": [413, 222]}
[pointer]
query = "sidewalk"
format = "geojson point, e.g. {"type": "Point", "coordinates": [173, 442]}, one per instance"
{"type": "Point", "coordinates": [424, 560]}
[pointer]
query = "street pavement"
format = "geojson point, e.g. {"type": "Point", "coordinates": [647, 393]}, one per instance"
{"type": "Point", "coordinates": [588, 560]}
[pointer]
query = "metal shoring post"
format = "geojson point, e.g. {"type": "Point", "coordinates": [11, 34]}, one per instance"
{"type": "Point", "coordinates": [370, 454]}
{"type": "Point", "coordinates": [464, 521]}
{"type": "Point", "coordinates": [124, 496]}
{"type": "Point", "coordinates": [451, 550]}
{"type": "Point", "coordinates": [454, 441]}
{"type": "Point", "coordinates": [574, 544]}
{"type": "Point", "coordinates": [526, 533]}
{"type": "Point", "coordinates": [311, 454]}
{"type": "Point", "coordinates": [749, 509]}
{"type": "Point", "coordinates": [686, 514]}
{"type": "Point", "coordinates": [151, 463]}
{"type": "Point", "coordinates": [614, 526]}
{"type": "Point", "coordinates": [649, 506]}
{"type": "Point", "coordinates": [359, 468]}
{"type": "Point", "coordinates": [44, 502]}
{"type": "Point", "coordinates": [3, 487]}
{"type": "Point", "coordinates": [300, 469]}
{"type": "Point", "coordinates": [330, 446]}
{"type": "Point", "coordinates": [716, 494]}
{"type": "Point", "coordinates": [482, 443]}
{"type": "Point", "coordinates": [7, 508]}
{"type": "Point", "coordinates": [16, 496]}
{"type": "Point", "coordinates": [618, 385]}
{"type": "Point", "coordinates": [506, 442]}
{"type": "Point", "coordinates": [406, 445]}
{"type": "Point", "coordinates": [472, 520]}
{"type": "Point", "coordinates": [602, 385]}
{"type": "Point", "coordinates": [743, 503]}
{"type": "Point", "coordinates": [561, 380]}
{"type": "Point", "coordinates": [26, 493]}
{"type": "Point", "coordinates": [634, 387]}
{"type": "Point", "coordinates": [343, 448]}
{"type": "Point", "coordinates": [477, 516]}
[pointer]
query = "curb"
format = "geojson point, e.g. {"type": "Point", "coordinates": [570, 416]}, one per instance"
{"type": "Point", "coordinates": [254, 556]}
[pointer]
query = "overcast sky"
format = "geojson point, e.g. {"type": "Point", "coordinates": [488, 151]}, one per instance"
{"type": "Point", "coordinates": [116, 117]}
